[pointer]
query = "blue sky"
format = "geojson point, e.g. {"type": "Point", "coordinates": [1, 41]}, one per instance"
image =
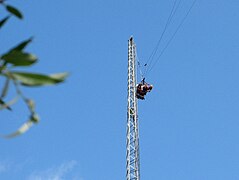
{"type": "Point", "coordinates": [188, 123]}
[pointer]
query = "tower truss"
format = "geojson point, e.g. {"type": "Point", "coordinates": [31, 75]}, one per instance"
{"type": "Point", "coordinates": [132, 117]}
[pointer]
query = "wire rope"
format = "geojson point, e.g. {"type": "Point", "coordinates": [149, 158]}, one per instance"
{"type": "Point", "coordinates": [139, 65]}
{"type": "Point", "coordinates": [172, 37]}
{"type": "Point", "coordinates": [169, 20]}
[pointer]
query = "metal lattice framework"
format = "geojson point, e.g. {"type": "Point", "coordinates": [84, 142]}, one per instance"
{"type": "Point", "coordinates": [132, 117]}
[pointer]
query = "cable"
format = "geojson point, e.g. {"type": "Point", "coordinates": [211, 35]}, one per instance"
{"type": "Point", "coordinates": [170, 17]}
{"type": "Point", "coordinates": [170, 40]}
{"type": "Point", "coordinates": [139, 65]}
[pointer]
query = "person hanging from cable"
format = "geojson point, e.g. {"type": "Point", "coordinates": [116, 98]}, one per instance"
{"type": "Point", "coordinates": [142, 89]}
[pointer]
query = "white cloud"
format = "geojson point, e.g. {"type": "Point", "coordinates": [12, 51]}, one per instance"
{"type": "Point", "coordinates": [56, 173]}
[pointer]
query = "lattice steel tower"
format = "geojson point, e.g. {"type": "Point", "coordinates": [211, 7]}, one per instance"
{"type": "Point", "coordinates": [132, 117]}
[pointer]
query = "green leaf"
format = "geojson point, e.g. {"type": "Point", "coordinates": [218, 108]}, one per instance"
{"type": "Point", "coordinates": [35, 118]}
{"type": "Point", "coordinates": [14, 11]}
{"type": "Point", "coordinates": [33, 79]}
{"type": "Point", "coordinates": [4, 105]}
{"type": "Point", "coordinates": [30, 104]}
{"type": "Point", "coordinates": [18, 58]}
{"type": "Point", "coordinates": [3, 21]}
{"type": "Point", "coordinates": [59, 76]}
{"type": "Point", "coordinates": [26, 126]}
{"type": "Point", "coordinates": [21, 45]}
{"type": "Point", "coordinates": [5, 88]}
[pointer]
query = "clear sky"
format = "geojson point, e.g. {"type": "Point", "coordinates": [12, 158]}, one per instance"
{"type": "Point", "coordinates": [189, 125]}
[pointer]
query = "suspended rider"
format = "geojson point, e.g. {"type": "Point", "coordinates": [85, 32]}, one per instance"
{"type": "Point", "coordinates": [142, 88]}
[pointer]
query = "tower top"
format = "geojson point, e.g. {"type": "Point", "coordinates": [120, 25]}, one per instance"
{"type": "Point", "coordinates": [131, 38]}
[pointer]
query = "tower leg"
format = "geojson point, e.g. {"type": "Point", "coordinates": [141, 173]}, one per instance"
{"type": "Point", "coordinates": [132, 155]}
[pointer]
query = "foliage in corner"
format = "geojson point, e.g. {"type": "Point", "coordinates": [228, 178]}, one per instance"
{"type": "Point", "coordinates": [18, 57]}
